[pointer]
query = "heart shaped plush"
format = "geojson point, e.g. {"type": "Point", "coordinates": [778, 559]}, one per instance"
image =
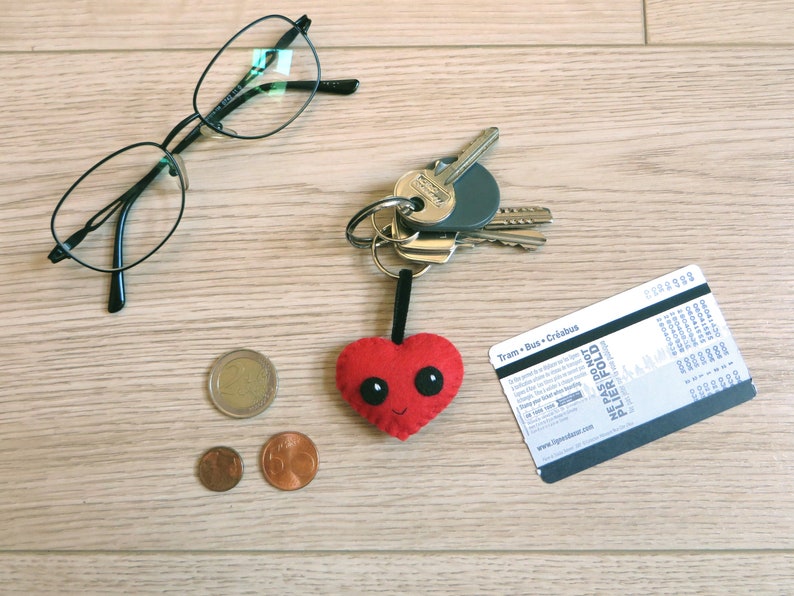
{"type": "Point", "coordinates": [399, 387]}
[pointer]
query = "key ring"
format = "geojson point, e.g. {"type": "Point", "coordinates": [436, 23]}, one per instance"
{"type": "Point", "coordinates": [370, 211]}
{"type": "Point", "coordinates": [376, 244]}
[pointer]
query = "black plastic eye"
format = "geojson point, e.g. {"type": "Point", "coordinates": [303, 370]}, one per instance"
{"type": "Point", "coordinates": [429, 381]}
{"type": "Point", "coordinates": [374, 391]}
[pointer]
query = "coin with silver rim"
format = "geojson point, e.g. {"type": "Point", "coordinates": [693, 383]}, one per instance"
{"type": "Point", "coordinates": [220, 468]}
{"type": "Point", "coordinates": [243, 383]}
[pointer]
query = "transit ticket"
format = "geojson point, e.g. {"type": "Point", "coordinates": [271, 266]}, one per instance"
{"type": "Point", "coordinates": [621, 373]}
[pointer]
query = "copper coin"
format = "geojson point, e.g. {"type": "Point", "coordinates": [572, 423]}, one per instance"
{"type": "Point", "coordinates": [220, 469]}
{"type": "Point", "coordinates": [289, 460]}
{"type": "Point", "coordinates": [243, 383]}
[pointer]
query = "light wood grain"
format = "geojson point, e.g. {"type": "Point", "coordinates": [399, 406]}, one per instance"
{"type": "Point", "coordinates": [36, 26]}
{"type": "Point", "coordinates": [720, 22]}
{"type": "Point", "coordinates": [401, 573]}
{"type": "Point", "coordinates": [650, 158]}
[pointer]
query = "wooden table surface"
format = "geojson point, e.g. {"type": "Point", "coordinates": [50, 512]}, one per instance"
{"type": "Point", "coordinates": [659, 133]}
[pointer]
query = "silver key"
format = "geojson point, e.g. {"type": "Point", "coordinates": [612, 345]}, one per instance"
{"type": "Point", "coordinates": [469, 156]}
{"type": "Point", "coordinates": [511, 226]}
{"type": "Point", "coordinates": [426, 257]}
{"type": "Point", "coordinates": [435, 186]}
{"type": "Point", "coordinates": [518, 217]}
{"type": "Point", "coordinates": [524, 238]}
{"type": "Point", "coordinates": [438, 247]}
{"type": "Point", "coordinates": [425, 247]}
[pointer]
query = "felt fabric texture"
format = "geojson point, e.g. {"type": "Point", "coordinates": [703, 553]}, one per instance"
{"type": "Point", "coordinates": [399, 387]}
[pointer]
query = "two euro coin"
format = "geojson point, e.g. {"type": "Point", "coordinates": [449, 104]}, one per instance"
{"type": "Point", "coordinates": [243, 383]}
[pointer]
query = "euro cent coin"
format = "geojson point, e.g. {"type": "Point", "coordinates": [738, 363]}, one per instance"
{"type": "Point", "coordinates": [290, 460]}
{"type": "Point", "coordinates": [220, 469]}
{"type": "Point", "coordinates": [243, 383]}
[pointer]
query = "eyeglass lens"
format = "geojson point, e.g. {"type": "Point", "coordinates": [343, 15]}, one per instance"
{"type": "Point", "coordinates": [140, 184]}
{"type": "Point", "coordinates": [260, 81]}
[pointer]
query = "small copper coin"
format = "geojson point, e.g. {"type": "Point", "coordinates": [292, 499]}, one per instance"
{"type": "Point", "coordinates": [243, 383]}
{"type": "Point", "coordinates": [220, 469]}
{"type": "Point", "coordinates": [289, 460]}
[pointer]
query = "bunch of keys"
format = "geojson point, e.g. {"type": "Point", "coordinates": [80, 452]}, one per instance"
{"type": "Point", "coordinates": [400, 384]}
{"type": "Point", "coordinates": [454, 202]}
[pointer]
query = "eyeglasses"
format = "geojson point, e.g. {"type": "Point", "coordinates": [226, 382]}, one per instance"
{"type": "Point", "coordinates": [270, 67]}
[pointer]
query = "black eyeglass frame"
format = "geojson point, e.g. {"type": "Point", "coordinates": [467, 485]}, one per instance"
{"type": "Point", "coordinates": [232, 101]}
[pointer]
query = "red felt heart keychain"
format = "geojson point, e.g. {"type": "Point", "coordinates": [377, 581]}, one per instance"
{"type": "Point", "coordinates": [400, 384]}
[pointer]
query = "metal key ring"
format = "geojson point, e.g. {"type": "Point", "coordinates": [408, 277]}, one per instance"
{"type": "Point", "coordinates": [370, 210]}
{"type": "Point", "coordinates": [376, 244]}
{"type": "Point", "coordinates": [391, 238]}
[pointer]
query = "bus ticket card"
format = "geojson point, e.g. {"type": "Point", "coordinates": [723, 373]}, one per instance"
{"type": "Point", "coordinates": [621, 373]}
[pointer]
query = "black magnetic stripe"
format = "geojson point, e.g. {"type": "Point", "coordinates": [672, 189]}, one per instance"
{"type": "Point", "coordinates": [599, 332]}
{"type": "Point", "coordinates": [647, 432]}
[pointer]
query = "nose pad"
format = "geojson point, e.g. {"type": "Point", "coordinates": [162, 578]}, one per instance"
{"type": "Point", "coordinates": [181, 165]}
{"type": "Point", "coordinates": [214, 133]}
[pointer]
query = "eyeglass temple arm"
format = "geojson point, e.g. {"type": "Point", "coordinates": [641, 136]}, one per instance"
{"type": "Point", "coordinates": [117, 297]}
{"type": "Point", "coordinates": [335, 87]}
{"type": "Point", "coordinates": [303, 23]}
